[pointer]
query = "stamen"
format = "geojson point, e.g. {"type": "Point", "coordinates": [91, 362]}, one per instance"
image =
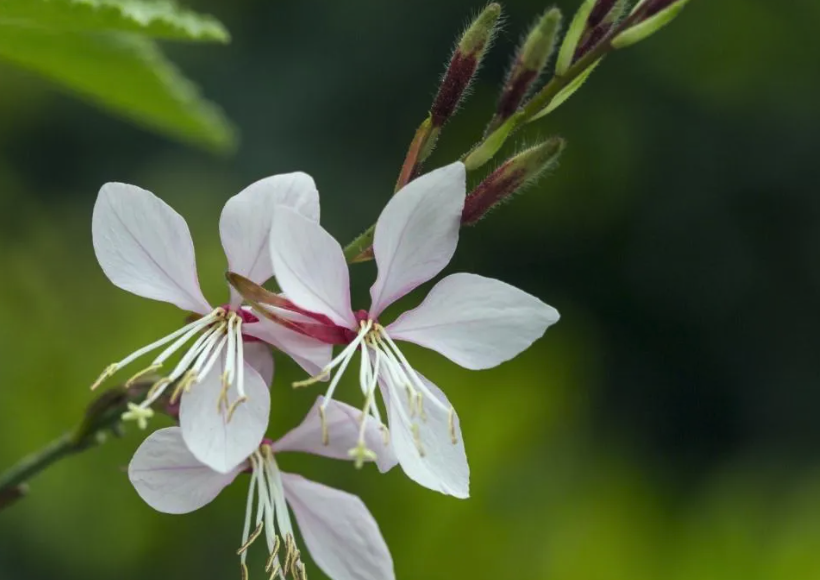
{"type": "Point", "coordinates": [157, 389]}
{"type": "Point", "coordinates": [249, 510]}
{"type": "Point", "coordinates": [130, 382]}
{"type": "Point", "coordinates": [417, 439]}
{"type": "Point", "coordinates": [234, 406]}
{"type": "Point", "coordinates": [277, 569]}
{"type": "Point", "coordinates": [275, 552]}
{"type": "Point", "coordinates": [244, 570]}
{"type": "Point", "coordinates": [325, 434]}
{"type": "Point", "coordinates": [419, 384]}
{"type": "Point", "coordinates": [451, 420]}
{"type": "Point", "coordinates": [255, 534]}
{"type": "Point", "coordinates": [108, 372]}
{"type": "Point", "coordinates": [341, 359]}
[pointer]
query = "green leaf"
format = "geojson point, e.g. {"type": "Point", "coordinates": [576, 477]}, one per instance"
{"type": "Point", "coordinates": [567, 91]}
{"type": "Point", "coordinates": [491, 145]}
{"type": "Point", "coordinates": [155, 18]}
{"type": "Point", "coordinates": [573, 37]}
{"type": "Point", "coordinates": [123, 73]}
{"type": "Point", "coordinates": [649, 26]}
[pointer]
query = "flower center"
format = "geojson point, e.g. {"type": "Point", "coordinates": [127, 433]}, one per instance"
{"type": "Point", "coordinates": [381, 360]}
{"type": "Point", "coordinates": [218, 334]}
{"type": "Point", "coordinates": [272, 517]}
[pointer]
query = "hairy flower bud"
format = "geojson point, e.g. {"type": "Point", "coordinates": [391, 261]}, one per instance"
{"type": "Point", "coordinates": [529, 63]}
{"type": "Point", "coordinates": [464, 63]}
{"type": "Point", "coordinates": [653, 15]}
{"type": "Point", "coordinates": [514, 174]}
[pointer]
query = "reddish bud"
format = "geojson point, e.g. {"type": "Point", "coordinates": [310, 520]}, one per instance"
{"type": "Point", "coordinates": [514, 174]}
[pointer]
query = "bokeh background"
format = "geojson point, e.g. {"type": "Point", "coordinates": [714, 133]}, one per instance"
{"type": "Point", "coordinates": [665, 428]}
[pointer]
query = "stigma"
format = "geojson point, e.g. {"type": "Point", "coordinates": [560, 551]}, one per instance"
{"type": "Point", "coordinates": [381, 362]}
{"type": "Point", "coordinates": [204, 342]}
{"type": "Point", "coordinates": [267, 493]}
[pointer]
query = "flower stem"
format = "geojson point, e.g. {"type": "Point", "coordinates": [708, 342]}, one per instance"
{"type": "Point", "coordinates": [29, 466]}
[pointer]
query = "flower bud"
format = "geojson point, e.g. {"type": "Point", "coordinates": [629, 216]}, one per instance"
{"type": "Point", "coordinates": [577, 28]}
{"type": "Point", "coordinates": [604, 15]}
{"type": "Point", "coordinates": [464, 63]}
{"type": "Point", "coordinates": [529, 63]}
{"type": "Point", "coordinates": [654, 15]}
{"type": "Point", "coordinates": [515, 173]}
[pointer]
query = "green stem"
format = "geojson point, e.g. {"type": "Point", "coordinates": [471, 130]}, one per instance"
{"type": "Point", "coordinates": [33, 464]}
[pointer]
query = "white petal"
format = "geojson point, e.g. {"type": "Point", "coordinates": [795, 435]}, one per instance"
{"type": "Point", "coordinates": [310, 267]}
{"type": "Point", "coordinates": [443, 466]}
{"type": "Point", "coordinates": [260, 357]}
{"type": "Point", "coordinates": [220, 444]}
{"type": "Point", "coordinates": [144, 246]}
{"type": "Point", "coordinates": [417, 233]}
{"type": "Point", "coordinates": [339, 531]}
{"type": "Point", "coordinates": [247, 217]}
{"type": "Point", "coordinates": [343, 428]}
{"type": "Point", "coordinates": [474, 321]}
{"type": "Point", "coordinates": [309, 353]}
{"type": "Point", "coordinates": [170, 479]}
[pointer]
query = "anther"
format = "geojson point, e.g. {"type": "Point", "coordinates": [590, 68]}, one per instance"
{"type": "Point", "coordinates": [251, 539]}
{"type": "Point", "coordinates": [276, 570]}
{"type": "Point", "coordinates": [451, 419]}
{"type": "Point", "coordinates": [234, 406]}
{"type": "Point", "coordinates": [325, 434]}
{"type": "Point", "coordinates": [130, 382]}
{"type": "Point", "coordinates": [108, 372]}
{"type": "Point", "coordinates": [312, 380]}
{"type": "Point", "coordinates": [244, 569]}
{"type": "Point", "coordinates": [270, 562]}
{"type": "Point", "coordinates": [222, 401]}
{"type": "Point", "coordinates": [420, 407]}
{"type": "Point", "coordinates": [417, 439]}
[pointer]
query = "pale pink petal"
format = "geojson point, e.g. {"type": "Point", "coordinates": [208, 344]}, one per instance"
{"type": "Point", "coordinates": [343, 429]}
{"type": "Point", "coordinates": [309, 353]}
{"type": "Point", "coordinates": [474, 321]}
{"type": "Point", "coordinates": [310, 267]}
{"type": "Point", "coordinates": [144, 246]}
{"type": "Point", "coordinates": [247, 217]}
{"type": "Point", "coordinates": [417, 233]}
{"type": "Point", "coordinates": [440, 464]}
{"type": "Point", "coordinates": [339, 532]}
{"type": "Point", "coordinates": [260, 357]}
{"type": "Point", "coordinates": [170, 479]}
{"type": "Point", "coordinates": [214, 441]}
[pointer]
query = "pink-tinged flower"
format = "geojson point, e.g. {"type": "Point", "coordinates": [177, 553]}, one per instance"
{"type": "Point", "coordinates": [337, 528]}
{"type": "Point", "coordinates": [474, 321]}
{"type": "Point", "coordinates": [145, 247]}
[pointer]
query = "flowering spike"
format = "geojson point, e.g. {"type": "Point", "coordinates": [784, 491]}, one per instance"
{"type": "Point", "coordinates": [510, 177]}
{"type": "Point", "coordinates": [654, 15]}
{"type": "Point", "coordinates": [529, 63]}
{"type": "Point", "coordinates": [464, 63]}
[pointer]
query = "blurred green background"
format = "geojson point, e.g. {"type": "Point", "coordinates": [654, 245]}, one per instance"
{"type": "Point", "coordinates": [665, 428]}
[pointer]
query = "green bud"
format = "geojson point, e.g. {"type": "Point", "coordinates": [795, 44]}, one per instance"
{"type": "Point", "coordinates": [570, 44]}
{"type": "Point", "coordinates": [658, 13]}
{"type": "Point", "coordinates": [480, 33]}
{"type": "Point", "coordinates": [529, 63]}
{"type": "Point", "coordinates": [517, 172]}
{"type": "Point", "coordinates": [464, 64]}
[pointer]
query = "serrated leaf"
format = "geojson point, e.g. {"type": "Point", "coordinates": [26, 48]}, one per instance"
{"type": "Point", "coordinates": [567, 91]}
{"type": "Point", "coordinates": [124, 73]}
{"type": "Point", "coordinates": [649, 26]}
{"type": "Point", "coordinates": [155, 18]}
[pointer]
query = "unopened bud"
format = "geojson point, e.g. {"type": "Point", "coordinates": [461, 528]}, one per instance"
{"type": "Point", "coordinates": [514, 174]}
{"type": "Point", "coordinates": [577, 28]}
{"type": "Point", "coordinates": [654, 15]}
{"type": "Point", "coordinates": [529, 63]}
{"type": "Point", "coordinates": [605, 14]}
{"type": "Point", "coordinates": [464, 64]}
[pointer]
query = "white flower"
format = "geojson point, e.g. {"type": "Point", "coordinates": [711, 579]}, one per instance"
{"type": "Point", "coordinates": [474, 321]}
{"type": "Point", "coordinates": [145, 247]}
{"type": "Point", "coordinates": [337, 528]}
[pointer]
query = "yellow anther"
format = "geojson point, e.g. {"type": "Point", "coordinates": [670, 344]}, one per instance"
{"type": "Point", "coordinates": [108, 372]}
{"type": "Point", "coordinates": [417, 439]}
{"type": "Point", "coordinates": [130, 382]}
{"type": "Point", "coordinates": [244, 571]}
{"type": "Point", "coordinates": [251, 539]}
{"type": "Point", "coordinates": [271, 559]}
{"type": "Point", "coordinates": [234, 406]}
{"type": "Point", "coordinates": [411, 400]}
{"type": "Point", "coordinates": [312, 380]}
{"type": "Point", "coordinates": [222, 401]}
{"type": "Point", "coordinates": [276, 570]}
{"type": "Point", "coordinates": [160, 384]}
{"type": "Point", "coordinates": [420, 407]}
{"type": "Point", "coordinates": [184, 384]}
{"type": "Point", "coordinates": [451, 419]}
{"type": "Point", "coordinates": [139, 414]}
{"type": "Point", "coordinates": [325, 434]}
